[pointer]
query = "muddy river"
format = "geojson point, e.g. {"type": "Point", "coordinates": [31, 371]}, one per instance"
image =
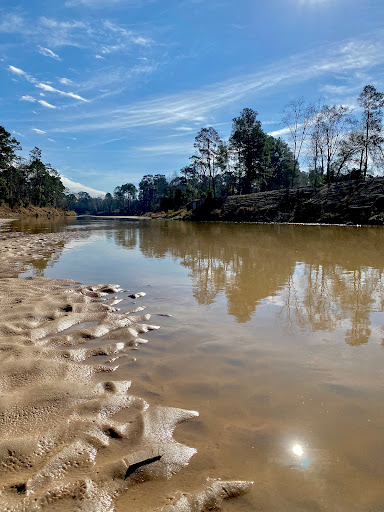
{"type": "Point", "coordinates": [275, 337]}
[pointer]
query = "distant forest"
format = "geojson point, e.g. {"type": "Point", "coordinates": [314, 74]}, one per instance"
{"type": "Point", "coordinates": [333, 142]}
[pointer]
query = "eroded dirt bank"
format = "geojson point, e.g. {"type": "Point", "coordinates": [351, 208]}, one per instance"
{"type": "Point", "coordinates": [71, 436]}
{"type": "Point", "coordinates": [350, 202]}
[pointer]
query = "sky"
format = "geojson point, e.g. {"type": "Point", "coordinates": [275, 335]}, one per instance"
{"type": "Point", "coordinates": [111, 90]}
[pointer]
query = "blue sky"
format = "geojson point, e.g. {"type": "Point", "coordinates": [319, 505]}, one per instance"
{"type": "Point", "coordinates": [111, 90]}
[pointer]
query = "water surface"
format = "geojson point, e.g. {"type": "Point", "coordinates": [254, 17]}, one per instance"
{"type": "Point", "coordinates": [276, 338]}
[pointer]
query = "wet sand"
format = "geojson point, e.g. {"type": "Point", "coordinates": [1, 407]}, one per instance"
{"type": "Point", "coordinates": [72, 437]}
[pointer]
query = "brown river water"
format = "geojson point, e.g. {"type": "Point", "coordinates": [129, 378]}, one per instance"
{"type": "Point", "coordinates": [276, 338]}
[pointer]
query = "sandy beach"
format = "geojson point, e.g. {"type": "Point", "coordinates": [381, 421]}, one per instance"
{"type": "Point", "coordinates": [71, 436]}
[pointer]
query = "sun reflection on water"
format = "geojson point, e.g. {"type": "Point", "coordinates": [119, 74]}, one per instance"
{"type": "Point", "coordinates": [300, 455]}
{"type": "Point", "coordinates": [298, 450]}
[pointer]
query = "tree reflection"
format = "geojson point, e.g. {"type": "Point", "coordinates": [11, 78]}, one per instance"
{"type": "Point", "coordinates": [126, 237]}
{"type": "Point", "coordinates": [322, 298]}
{"type": "Point", "coordinates": [319, 278]}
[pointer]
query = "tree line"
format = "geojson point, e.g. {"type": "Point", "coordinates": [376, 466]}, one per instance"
{"type": "Point", "coordinates": [332, 142]}
{"type": "Point", "coordinates": [25, 182]}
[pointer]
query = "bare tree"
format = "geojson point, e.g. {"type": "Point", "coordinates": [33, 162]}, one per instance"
{"type": "Point", "coordinates": [372, 103]}
{"type": "Point", "coordinates": [332, 124]}
{"type": "Point", "coordinates": [207, 144]}
{"type": "Point", "coordinates": [298, 116]}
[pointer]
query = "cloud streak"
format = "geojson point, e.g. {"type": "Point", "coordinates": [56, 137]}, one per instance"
{"type": "Point", "coordinates": [49, 88]}
{"type": "Point", "coordinates": [166, 149]}
{"type": "Point", "coordinates": [31, 99]}
{"type": "Point", "coordinates": [48, 53]}
{"type": "Point", "coordinates": [101, 4]}
{"type": "Point", "coordinates": [65, 81]}
{"type": "Point", "coordinates": [46, 104]}
{"type": "Point", "coordinates": [11, 23]}
{"type": "Point", "coordinates": [17, 71]}
{"type": "Point", "coordinates": [98, 35]}
{"type": "Point", "coordinates": [196, 106]}
{"type": "Point", "coordinates": [45, 87]}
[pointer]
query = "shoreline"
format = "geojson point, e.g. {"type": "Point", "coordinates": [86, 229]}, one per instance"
{"type": "Point", "coordinates": [313, 224]}
{"type": "Point", "coordinates": [20, 212]}
{"type": "Point", "coordinates": [59, 439]}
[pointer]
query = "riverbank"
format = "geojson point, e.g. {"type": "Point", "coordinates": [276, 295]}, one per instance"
{"type": "Point", "coordinates": [70, 432]}
{"type": "Point", "coordinates": [347, 203]}
{"type": "Point", "coordinates": [33, 211]}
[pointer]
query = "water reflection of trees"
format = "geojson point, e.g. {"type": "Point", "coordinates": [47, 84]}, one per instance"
{"type": "Point", "coordinates": [38, 266]}
{"type": "Point", "coordinates": [126, 237]}
{"type": "Point", "coordinates": [328, 298]}
{"type": "Point", "coordinates": [321, 278]}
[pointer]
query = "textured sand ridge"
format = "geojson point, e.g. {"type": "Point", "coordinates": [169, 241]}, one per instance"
{"type": "Point", "coordinates": [71, 436]}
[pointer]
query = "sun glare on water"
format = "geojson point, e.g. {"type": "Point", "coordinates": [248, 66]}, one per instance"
{"type": "Point", "coordinates": [298, 450]}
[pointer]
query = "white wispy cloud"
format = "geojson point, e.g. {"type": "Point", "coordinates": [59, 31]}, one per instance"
{"type": "Point", "coordinates": [48, 53]}
{"type": "Point", "coordinates": [101, 4]}
{"type": "Point", "coordinates": [198, 105]}
{"type": "Point", "coordinates": [314, 2]}
{"type": "Point", "coordinates": [165, 149]}
{"type": "Point", "coordinates": [31, 99]}
{"type": "Point", "coordinates": [44, 86]}
{"type": "Point", "coordinates": [46, 104]}
{"type": "Point", "coordinates": [37, 130]}
{"type": "Point", "coordinates": [282, 131]}
{"type": "Point", "coordinates": [117, 38]}
{"type": "Point", "coordinates": [65, 81]}
{"type": "Point", "coordinates": [142, 41]}
{"type": "Point", "coordinates": [11, 23]}
{"type": "Point", "coordinates": [341, 90]}
{"type": "Point", "coordinates": [183, 129]}
{"type": "Point", "coordinates": [58, 33]}
{"type": "Point", "coordinates": [113, 80]}
{"type": "Point", "coordinates": [49, 88]}
{"type": "Point", "coordinates": [75, 187]}
{"type": "Point", "coordinates": [17, 71]}
{"type": "Point", "coordinates": [101, 36]}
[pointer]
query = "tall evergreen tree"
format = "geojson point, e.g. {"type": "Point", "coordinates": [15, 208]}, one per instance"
{"type": "Point", "coordinates": [248, 142]}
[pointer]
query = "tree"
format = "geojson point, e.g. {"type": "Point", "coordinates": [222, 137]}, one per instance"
{"type": "Point", "coordinates": [146, 192]}
{"type": "Point", "coordinates": [247, 142]}
{"type": "Point", "coordinates": [84, 201]}
{"type": "Point", "coordinates": [11, 176]}
{"type": "Point", "coordinates": [23, 182]}
{"type": "Point", "coordinates": [298, 117]}
{"type": "Point", "coordinates": [129, 192]}
{"type": "Point", "coordinates": [282, 165]}
{"type": "Point", "coordinates": [108, 202]}
{"type": "Point", "coordinates": [8, 146]}
{"type": "Point", "coordinates": [207, 143]}
{"type": "Point", "coordinates": [330, 128]}
{"type": "Point", "coordinates": [372, 102]}
{"type": "Point", "coordinates": [227, 181]}
{"type": "Point", "coordinates": [119, 196]}
{"type": "Point", "coordinates": [349, 154]}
